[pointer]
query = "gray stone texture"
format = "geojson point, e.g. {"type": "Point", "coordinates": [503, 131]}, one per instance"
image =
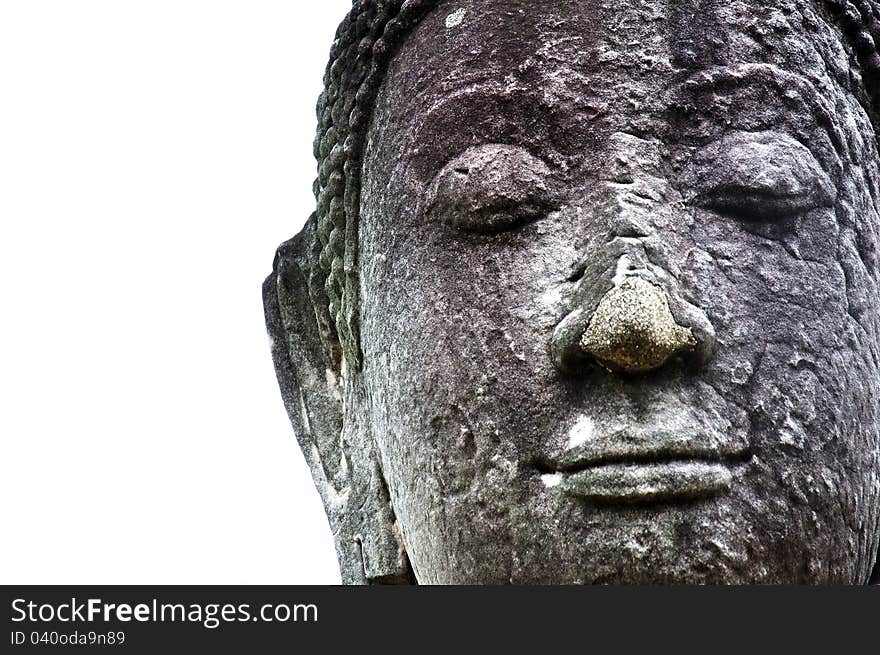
{"type": "Point", "coordinates": [596, 298]}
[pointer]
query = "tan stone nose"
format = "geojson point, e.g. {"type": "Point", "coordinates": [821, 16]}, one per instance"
{"type": "Point", "coordinates": [633, 330]}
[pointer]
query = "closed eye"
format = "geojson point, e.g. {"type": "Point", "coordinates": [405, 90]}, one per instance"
{"type": "Point", "coordinates": [759, 176]}
{"type": "Point", "coordinates": [490, 188]}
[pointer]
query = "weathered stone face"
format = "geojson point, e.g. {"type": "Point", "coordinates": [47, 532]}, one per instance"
{"type": "Point", "coordinates": [525, 161]}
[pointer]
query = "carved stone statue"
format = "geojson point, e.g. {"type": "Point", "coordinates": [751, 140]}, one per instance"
{"type": "Point", "coordinates": [591, 292]}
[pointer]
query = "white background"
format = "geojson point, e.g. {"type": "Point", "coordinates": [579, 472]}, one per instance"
{"type": "Point", "coordinates": [152, 156]}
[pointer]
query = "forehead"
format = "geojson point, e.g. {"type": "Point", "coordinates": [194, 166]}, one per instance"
{"type": "Point", "coordinates": [521, 38]}
{"type": "Point", "coordinates": [563, 73]}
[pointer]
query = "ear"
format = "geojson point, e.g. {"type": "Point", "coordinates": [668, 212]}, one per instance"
{"type": "Point", "coordinates": [338, 449]}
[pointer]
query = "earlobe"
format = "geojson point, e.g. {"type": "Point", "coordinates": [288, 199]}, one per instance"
{"type": "Point", "coordinates": [384, 554]}
{"type": "Point", "coordinates": [339, 452]}
{"type": "Point", "coordinates": [312, 399]}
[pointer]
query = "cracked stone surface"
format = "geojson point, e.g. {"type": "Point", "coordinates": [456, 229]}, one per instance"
{"type": "Point", "coordinates": [527, 171]}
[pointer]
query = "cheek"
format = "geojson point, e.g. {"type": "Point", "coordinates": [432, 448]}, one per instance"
{"type": "Point", "coordinates": [760, 288]}
{"type": "Point", "coordinates": [793, 347]}
{"type": "Point", "coordinates": [462, 323]}
{"type": "Point", "coordinates": [488, 303]}
{"type": "Point", "coordinates": [456, 335]}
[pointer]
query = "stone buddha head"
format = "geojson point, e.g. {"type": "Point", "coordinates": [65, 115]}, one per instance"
{"type": "Point", "coordinates": [591, 292]}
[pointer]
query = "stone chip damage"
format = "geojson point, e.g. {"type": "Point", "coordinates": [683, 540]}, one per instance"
{"type": "Point", "coordinates": [633, 330]}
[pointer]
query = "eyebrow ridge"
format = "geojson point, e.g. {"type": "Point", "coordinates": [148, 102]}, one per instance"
{"type": "Point", "coordinates": [724, 78]}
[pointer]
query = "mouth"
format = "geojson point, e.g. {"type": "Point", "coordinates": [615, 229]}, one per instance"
{"type": "Point", "coordinates": [644, 477]}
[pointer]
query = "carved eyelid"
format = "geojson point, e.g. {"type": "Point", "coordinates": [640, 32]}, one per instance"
{"type": "Point", "coordinates": [490, 188]}
{"type": "Point", "coordinates": [760, 175]}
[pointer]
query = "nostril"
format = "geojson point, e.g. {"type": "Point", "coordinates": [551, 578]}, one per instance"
{"type": "Point", "coordinates": [565, 348]}
{"type": "Point", "coordinates": [633, 329]}
{"type": "Point", "coordinates": [578, 273]}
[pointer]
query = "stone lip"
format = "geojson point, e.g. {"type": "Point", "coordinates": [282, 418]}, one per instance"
{"type": "Point", "coordinates": [649, 483]}
{"type": "Point", "coordinates": [652, 450]}
{"type": "Point", "coordinates": [647, 473]}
